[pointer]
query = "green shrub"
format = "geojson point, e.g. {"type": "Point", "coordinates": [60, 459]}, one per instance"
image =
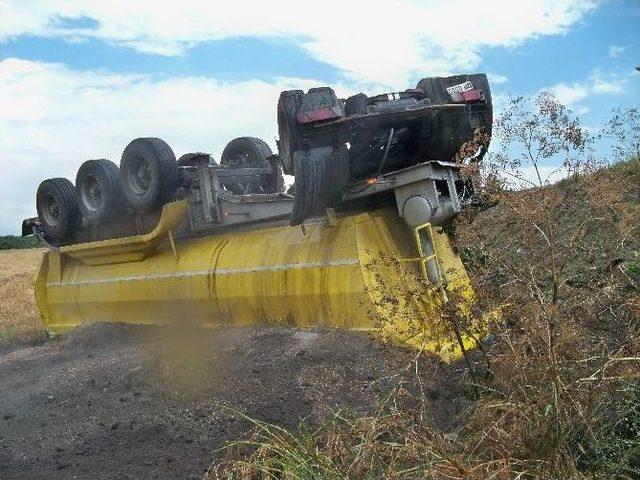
{"type": "Point", "coordinates": [9, 242]}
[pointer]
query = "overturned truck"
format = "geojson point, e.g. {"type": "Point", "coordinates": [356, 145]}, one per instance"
{"type": "Point", "coordinates": [356, 242]}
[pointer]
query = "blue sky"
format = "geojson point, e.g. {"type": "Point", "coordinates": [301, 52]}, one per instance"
{"type": "Point", "coordinates": [79, 79]}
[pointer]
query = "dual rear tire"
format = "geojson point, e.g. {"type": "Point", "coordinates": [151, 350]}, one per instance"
{"type": "Point", "coordinates": [320, 163]}
{"type": "Point", "coordinates": [252, 152]}
{"type": "Point", "coordinates": [57, 206]}
{"type": "Point", "coordinates": [147, 177]}
{"type": "Point", "coordinates": [444, 136]}
{"type": "Point", "coordinates": [98, 190]}
{"type": "Point", "coordinates": [148, 173]}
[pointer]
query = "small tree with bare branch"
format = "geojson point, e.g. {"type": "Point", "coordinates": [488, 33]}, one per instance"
{"type": "Point", "coordinates": [623, 130]}
{"type": "Point", "coordinates": [536, 133]}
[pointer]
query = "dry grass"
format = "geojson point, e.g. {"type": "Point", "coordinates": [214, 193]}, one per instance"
{"type": "Point", "coordinates": [19, 318]}
{"type": "Point", "coordinates": [555, 391]}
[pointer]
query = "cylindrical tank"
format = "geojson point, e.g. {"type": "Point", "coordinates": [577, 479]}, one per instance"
{"type": "Point", "coordinates": [358, 271]}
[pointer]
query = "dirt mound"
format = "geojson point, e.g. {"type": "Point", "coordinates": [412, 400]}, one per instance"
{"type": "Point", "coordinates": [124, 401]}
{"type": "Point", "coordinates": [559, 382]}
{"type": "Point", "coordinates": [595, 229]}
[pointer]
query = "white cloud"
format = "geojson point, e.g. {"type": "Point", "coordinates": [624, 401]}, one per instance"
{"type": "Point", "coordinates": [497, 79]}
{"type": "Point", "coordinates": [597, 84]}
{"type": "Point", "coordinates": [608, 86]}
{"type": "Point", "coordinates": [612, 84]}
{"type": "Point", "coordinates": [615, 51]}
{"type": "Point", "coordinates": [569, 94]}
{"type": "Point", "coordinates": [402, 42]}
{"type": "Point", "coordinates": [53, 118]}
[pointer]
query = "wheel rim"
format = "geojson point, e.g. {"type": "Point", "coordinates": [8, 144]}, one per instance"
{"type": "Point", "coordinates": [50, 210]}
{"type": "Point", "coordinates": [91, 193]}
{"type": "Point", "coordinates": [140, 177]}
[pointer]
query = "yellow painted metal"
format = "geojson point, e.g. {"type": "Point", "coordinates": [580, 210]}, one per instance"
{"type": "Point", "coordinates": [348, 273]}
{"type": "Point", "coordinates": [129, 249]}
{"type": "Point", "coordinates": [422, 257]}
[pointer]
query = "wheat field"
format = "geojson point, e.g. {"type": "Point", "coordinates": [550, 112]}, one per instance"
{"type": "Point", "coordinates": [19, 318]}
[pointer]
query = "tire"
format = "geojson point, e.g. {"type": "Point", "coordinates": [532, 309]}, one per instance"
{"type": "Point", "coordinates": [57, 206]}
{"type": "Point", "coordinates": [99, 191]}
{"type": "Point", "coordinates": [193, 159]}
{"type": "Point", "coordinates": [442, 137]}
{"type": "Point", "coordinates": [275, 182]}
{"type": "Point", "coordinates": [289, 138]}
{"type": "Point", "coordinates": [356, 105]}
{"type": "Point", "coordinates": [320, 176]}
{"type": "Point", "coordinates": [251, 152]}
{"type": "Point", "coordinates": [148, 173]}
{"type": "Point", "coordinates": [433, 89]}
{"type": "Point", "coordinates": [246, 152]}
{"type": "Point", "coordinates": [309, 174]}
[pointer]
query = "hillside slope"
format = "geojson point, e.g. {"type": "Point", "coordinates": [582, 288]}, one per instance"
{"type": "Point", "coordinates": [559, 381]}
{"type": "Point", "coordinates": [554, 390]}
{"type": "Point", "coordinates": [593, 233]}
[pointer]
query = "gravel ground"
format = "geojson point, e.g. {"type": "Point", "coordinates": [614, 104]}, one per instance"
{"type": "Point", "coordinates": [128, 402]}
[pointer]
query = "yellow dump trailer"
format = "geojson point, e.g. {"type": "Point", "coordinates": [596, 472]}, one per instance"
{"type": "Point", "coordinates": [364, 271]}
{"type": "Point", "coordinates": [227, 254]}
